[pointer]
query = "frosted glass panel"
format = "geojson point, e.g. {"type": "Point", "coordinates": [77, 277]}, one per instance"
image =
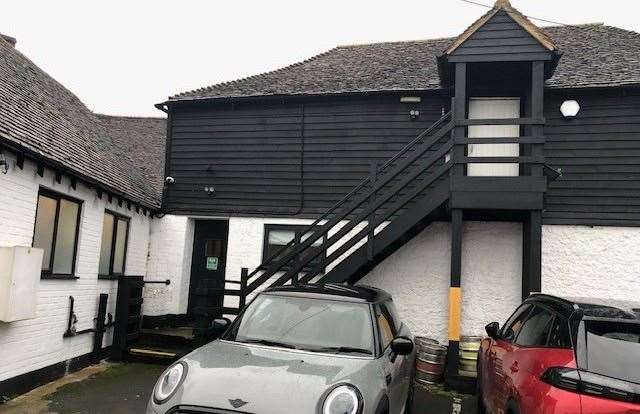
{"type": "Point", "coordinates": [121, 240]}
{"type": "Point", "coordinates": [281, 237]}
{"type": "Point", "coordinates": [43, 233]}
{"type": "Point", "coordinates": [66, 237]}
{"type": "Point", "coordinates": [105, 246]}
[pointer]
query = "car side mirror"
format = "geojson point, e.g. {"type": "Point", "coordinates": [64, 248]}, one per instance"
{"type": "Point", "coordinates": [402, 345]}
{"type": "Point", "coordinates": [219, 325]}
{"type": "Point", "coordinates": [493, 330]}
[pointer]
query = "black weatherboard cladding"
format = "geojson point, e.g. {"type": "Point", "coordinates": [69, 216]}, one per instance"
{"type": "Point", "coordinates": [599, 153]}
{"type": "Point", "coordinates": [251, 154]}
{"type": "Point", "coordinates": [501, 37]}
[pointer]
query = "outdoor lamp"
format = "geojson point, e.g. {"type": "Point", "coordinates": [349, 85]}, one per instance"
{"type": "Point", "coordinates": [570, 108]}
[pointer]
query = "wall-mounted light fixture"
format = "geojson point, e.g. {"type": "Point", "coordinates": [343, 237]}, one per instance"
{"type": "Point", "coordinates": [570, 108]}
{"type": "Point", "coordinates": [4, 164]}
{"type": "Point", "coordinates": [209, 190]}
{"type": "Point", "coordinates": [414, 114]}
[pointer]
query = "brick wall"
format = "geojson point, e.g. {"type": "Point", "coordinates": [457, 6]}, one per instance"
{"type": "Point", "coordinates": [35, 343]}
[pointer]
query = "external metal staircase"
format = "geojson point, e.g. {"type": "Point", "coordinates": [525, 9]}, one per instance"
{"type": "Point", "coordinates": [398, 199]}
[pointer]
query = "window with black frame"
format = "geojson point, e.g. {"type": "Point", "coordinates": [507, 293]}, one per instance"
{"type": "Point", "coordinates": [277, 236]}
{"type": "Point", "coordinates": [113, 248]}
{"type": "Point", "coordinates": [56, 232]}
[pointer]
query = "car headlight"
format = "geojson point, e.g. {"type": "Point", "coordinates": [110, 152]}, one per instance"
{"type": "Point", "coordinates": [344, 399]}
{"type": "Point", "coordinates": [169, 382]}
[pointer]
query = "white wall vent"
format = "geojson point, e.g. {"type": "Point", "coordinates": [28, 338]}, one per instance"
{"type": "Point", "coordinates": [20, 269]}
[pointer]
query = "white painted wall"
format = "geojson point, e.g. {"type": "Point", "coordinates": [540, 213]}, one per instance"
{"type": "Point", "coordinates": [35, 343]}
{"type": "Point", "coordinates": [418, 275]}
{"type": "Point", "coordinates": [170, 252]}
{"type": "Point", "coordinates": [576, 261]}
{"type": "Point", "coordinates": [591, 261]}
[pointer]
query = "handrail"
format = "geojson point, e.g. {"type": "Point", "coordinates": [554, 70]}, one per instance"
{"type": "Point", "coordinates": [377, 185]}
{"type": "Point", "coordinates": [378, 221]}
{"type": "Point", "coordinates": [361, 185]}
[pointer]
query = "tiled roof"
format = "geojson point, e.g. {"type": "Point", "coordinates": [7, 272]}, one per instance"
{"type": "Point", "coordinates": [41, 116]}
{"type": "Point", "coordinates": [593, 55]}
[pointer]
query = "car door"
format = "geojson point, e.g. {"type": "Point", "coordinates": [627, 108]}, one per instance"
{"type": "Point", "coordinates": [393, 365]}
{"type": "Point", "coordinates": [495, 385]}
{"type": "Point", "coordinates": [543, 342]}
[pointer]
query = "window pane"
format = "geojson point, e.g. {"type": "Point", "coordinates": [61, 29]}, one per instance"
{"type": "Point", "coordinates": [385, 325]}
{"type": "Point", "coordinates": [280, 237]}
{"type": "Point", "coordinates": [514, 324]}
{"type": "Point", "coordinates": [559, 337]}
{"type": "Point", "coordinates": [43, 232]}
{"type": "Point", "coordinates": [105, 246]}
{"type": "Point", "coordinates": [65, 237]}
{"type": "Point", "coordinates": [121, 238]}
{"type": "Point", "coordinates": [535, 329]}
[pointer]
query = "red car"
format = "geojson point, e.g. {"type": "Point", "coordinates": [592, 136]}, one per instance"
{"type": "Point", "coordinates": [565, 356]}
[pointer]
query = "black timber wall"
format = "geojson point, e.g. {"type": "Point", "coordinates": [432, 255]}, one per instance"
{"type": "Point", "coordinates": [251, 154]}
{"type": "Point", "coordinates": [500, 39]}
{"type": "Point", "coordinates": [285, 158]}
{"type": "Point", "coordinates": [599, 153]}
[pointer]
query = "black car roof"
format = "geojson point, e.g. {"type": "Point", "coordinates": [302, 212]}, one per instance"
{"type": "Point", "coordinates": [332, 291]}
{"type": "Point", "coordinates": [592, 307]}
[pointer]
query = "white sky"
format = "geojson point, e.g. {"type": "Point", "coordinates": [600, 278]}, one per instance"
{"type": "Point", "coordinates": [120, 57]}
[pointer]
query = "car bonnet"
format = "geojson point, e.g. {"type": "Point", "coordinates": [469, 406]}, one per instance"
{"type": "Point", "coordinates": [259, 379]}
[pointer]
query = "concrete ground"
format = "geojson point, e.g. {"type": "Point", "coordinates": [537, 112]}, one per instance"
{"type": "Point", "coordinates": [125, 389]}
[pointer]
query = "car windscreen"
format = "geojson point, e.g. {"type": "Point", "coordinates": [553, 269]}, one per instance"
{"type": "Point", "coordinates": [306, 323]}
{"type": "Point", "coordinates": [612, 349]}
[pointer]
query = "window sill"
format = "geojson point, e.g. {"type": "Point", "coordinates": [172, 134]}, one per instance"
{"type": "Point", "coordinates": [50, 276]}
{"type": "Point", "coordinates": [108, 277]}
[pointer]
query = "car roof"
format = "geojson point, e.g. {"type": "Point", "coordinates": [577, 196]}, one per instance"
{"type": "Point", "coordinates": [332, 291]}
{"type": "Point", "coordinates": [591, 307]}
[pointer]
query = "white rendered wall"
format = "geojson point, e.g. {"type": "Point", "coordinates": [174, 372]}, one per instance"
{"type": "Point", "coordinates": [576, 261]}
{"type": "Point", "coordinates": [418, 277]}
{"type": "Point", "coordinates": [170, 252]}
{"type": "Point", "coordinates": [583, 261]}
{"type": "Point", "coordinates": [36, 343]}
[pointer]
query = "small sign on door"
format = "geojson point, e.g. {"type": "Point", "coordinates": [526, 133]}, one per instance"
{"type": "Point", "coordinates": [212, 263]}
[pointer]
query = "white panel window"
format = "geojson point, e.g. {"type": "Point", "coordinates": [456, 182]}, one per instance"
{"type": "Point", "coordinates": [56, 232]}
{"type": "Point", "coordinates": [277, 236]}
{"type": "Point", "coordinates": [494, 108]}
{"type": "Point", "coordinates": [113, 249]}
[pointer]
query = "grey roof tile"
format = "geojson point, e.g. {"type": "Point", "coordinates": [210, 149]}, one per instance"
{"type": "Point", "coordinates": [594, 55]}
{"type": "Point", "coordinates": [40, 115]}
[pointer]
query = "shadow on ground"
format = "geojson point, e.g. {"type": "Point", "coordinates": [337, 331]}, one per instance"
{"type": "Point", "coordinates": [126, 388]}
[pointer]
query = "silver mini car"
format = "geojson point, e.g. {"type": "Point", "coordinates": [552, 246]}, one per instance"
{"type": "Point", "coordinates": [317, 349]}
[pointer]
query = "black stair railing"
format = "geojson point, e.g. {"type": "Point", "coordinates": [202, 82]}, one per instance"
{"type": "Point", "coordinates": [398, 180]}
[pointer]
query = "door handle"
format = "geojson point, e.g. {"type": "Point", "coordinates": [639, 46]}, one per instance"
{"type": "Point", "coordinates": [388, 379]}
{"type": "Point", "coordinates": [514, 367]}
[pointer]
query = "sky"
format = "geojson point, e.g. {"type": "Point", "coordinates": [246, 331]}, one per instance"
{"type": "Point", "coordinates": [121, 57]}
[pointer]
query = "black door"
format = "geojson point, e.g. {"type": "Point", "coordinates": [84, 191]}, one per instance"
{"type": "Point", "coordinates": [209, 260]}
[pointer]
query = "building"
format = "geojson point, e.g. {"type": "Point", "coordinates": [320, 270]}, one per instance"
{"type": "Point", "coordinates": [459, 226]}
{"type": "Point", "coordinates": [79, 185]}
{"type": "Point", "coordinates": [458, 174]}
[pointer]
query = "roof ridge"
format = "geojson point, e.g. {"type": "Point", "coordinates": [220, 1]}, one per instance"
{"type": "Point", "coordinates": [128, 116]}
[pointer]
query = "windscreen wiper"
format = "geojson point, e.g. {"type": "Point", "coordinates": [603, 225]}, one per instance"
{"type": "Point", "coordinates": [267, 343]}
{"type": "Point", "coordinates": [342, 349]}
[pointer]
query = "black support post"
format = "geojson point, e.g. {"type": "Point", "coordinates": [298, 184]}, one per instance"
{"type": "Point", "coordinates": [96, 352]}
{"type": "Point", "coordinates": [244, 277]}
{"type": "Point", "coordinates": [459, 112]}
{"type": "Point", "coordinates": [455, 299]}
{"type": "Point", "coordinates": [532, 254]}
